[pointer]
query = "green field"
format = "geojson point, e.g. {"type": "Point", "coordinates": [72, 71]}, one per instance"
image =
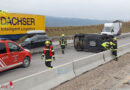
{"type": "Point", "coordinates": [72, 30]}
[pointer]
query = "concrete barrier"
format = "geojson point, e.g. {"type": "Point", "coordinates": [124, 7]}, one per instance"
{"type": "Point", "coordinates": [45, 80]}
{"type": "Point", "coordinates": [88, 63]}
{"type": "Point", "coordinates": [124, 49]}
{"type": "Point", "coordinates": [121, 51]}
{"type": "Point", "coordinates": [108, 56]}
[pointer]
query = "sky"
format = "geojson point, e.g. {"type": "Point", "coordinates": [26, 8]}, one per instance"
{"type": "Point", "coordinates": [88, 9]}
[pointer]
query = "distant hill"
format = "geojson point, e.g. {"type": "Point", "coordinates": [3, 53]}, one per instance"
{"type": "Point", "coordinates": [58, 21]}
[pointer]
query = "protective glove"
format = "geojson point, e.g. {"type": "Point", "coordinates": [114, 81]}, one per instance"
{"type": "Point", "coordinates": [42, 56]}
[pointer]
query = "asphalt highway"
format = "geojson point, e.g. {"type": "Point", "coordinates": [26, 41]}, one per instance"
{"type": "Point", "coordinates": [38, 65]}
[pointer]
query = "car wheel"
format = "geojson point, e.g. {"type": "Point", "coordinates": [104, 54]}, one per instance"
{"type": "Point", "coordinates": [26, 62]}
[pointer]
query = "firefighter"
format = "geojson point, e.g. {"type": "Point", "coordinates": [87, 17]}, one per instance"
{"type": "Point", "coordinates": [106, 45]}
{"type": "Point", "coordinates": [63, 43]}
{"type": "Point", "coordinates": [48, 52]}
{"type": "Point", "coordinates": [114, 48]}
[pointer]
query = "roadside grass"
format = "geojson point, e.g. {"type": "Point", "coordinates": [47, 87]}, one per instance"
{"type": "Point", "coordinates": [126, 27]}
{"type": "Point", "coordinates": [72, 30]}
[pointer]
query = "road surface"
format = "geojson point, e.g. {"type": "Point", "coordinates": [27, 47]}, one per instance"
{"type": "Point", "coordinates": [37, 65]}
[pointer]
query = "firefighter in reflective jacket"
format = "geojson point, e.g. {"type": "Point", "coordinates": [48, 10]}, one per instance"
{"type": "Point", "coordinates": [48, 52]}
{"type": "Point", "coordinates": [106, 45]}
{"type": "Point", "coordinates": [63, 43]}
{"type": "Point", "coordinates": [114, 48]}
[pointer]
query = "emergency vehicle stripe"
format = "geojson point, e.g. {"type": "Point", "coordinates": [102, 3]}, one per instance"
{"type": "Point", "coordinates": [114, 49]}
{"type": "Point", "coordinates": [11, 66]}
{"type": "Point", "coordinates": [1, 68]}
{"type": "Point", "coordinates": [3, 63]}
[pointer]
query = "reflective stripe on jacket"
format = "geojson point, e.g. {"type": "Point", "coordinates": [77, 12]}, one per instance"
{"type": "Point", "coordinates": [114, 46]}
{"type": "Point", "coordinates": [105, 44]}
{"type": "Point", "coordinates": [50, 49]}
{"type": "Point", "coordinates": [63, 41]}
{"type": "Point", "coordinates": [48, 60]}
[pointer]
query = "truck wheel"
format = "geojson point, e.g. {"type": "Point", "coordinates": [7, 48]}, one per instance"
{"type": "Point", "coordinates": [26, 62]}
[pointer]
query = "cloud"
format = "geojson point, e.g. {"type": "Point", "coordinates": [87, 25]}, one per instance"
{"type": "Point", "coordinates": [97, 9]}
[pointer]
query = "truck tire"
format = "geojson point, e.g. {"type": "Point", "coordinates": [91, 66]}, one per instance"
{"type": "Point", "coordinates": [26, 62]}
{"type": "Point", "coordinates": [76, 41]}
{"type": "Point", "coordinates": [81, 44]}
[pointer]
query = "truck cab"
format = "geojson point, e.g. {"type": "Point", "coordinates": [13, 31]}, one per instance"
{"type": "Point", "coordinates": [112, 28]}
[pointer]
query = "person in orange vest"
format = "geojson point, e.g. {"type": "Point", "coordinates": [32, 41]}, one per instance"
{"type": "Point", "coordinates": [49, 54]}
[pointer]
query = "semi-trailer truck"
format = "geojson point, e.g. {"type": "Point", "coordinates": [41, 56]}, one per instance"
{"type": "Point", "coordinates": [13, 26]}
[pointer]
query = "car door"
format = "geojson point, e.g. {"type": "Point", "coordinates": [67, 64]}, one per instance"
{"type": "Point", "coordinates": [16, 53]}
{"type": "Point", "coordinates": [41, 39]}
{"type": "Point", "coordinates": [44, 38]}
{"type": "Point", "coordinates": [4, 57]}
{"type": "Point", "coordinates": [34, 42]}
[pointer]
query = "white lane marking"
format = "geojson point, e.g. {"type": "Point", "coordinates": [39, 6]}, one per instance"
{"type": "Point", "coordinates": [56, 67]}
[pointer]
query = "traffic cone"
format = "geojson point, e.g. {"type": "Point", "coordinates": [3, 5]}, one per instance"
{"type": "Point", "coordinates": [11, 85]}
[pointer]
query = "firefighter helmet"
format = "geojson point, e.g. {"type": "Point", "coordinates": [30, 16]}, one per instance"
{"type": "Point", "coordinates": [111, 43]}
{"type": "Point", "coordinates": [63, 35]}
{"type": "Point", "coordinates": [114, 39]}
{"type": "Point", "coordinates": [47, 42]}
